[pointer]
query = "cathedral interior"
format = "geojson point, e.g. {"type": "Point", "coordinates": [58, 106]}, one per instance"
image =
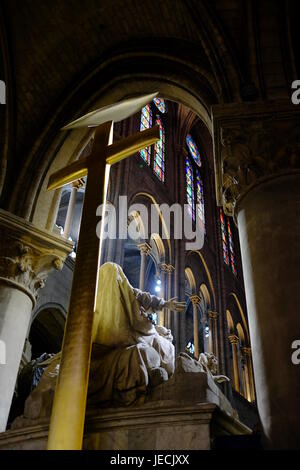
{"type": "Point", "coordinates": [228, 150]}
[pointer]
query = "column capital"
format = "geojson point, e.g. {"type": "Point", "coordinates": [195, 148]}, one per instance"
{"type": "Point", "coordinates": [233, 339]}
{"type": "Point", "coordinates": [144, 248]}
{"type": "Point", "coordinates": [78, 183]}
{"type": "Point", "coordinates": [253, 142]}
{"type": "Point", "coordinates": [195, 299]}
{"type": "Point", "coordinates": [246, 351]}
{"type": "Point", "coordinates": [166, 268]}
{"type": "Point", "coordinates": [27, 254]}
{"type": "Point", "coordinates": [212, 314]}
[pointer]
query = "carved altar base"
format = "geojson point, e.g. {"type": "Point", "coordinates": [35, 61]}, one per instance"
{"type": "Point", "coordinates": [184, 413]}
{"type": "Point", "coordinates": [147, 427]}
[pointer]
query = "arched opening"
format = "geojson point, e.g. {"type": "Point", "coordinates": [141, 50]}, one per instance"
{"type": "Point", "coordinates": [240, 350]}
{"type": "Point", "coordinates": [42, 206]}
{"type": "Point", "coordinates": [190, 283]}
{"type": "Point", "coordinates": [45, 336]}
{"type": "Point", "coordinates": [46, 331]}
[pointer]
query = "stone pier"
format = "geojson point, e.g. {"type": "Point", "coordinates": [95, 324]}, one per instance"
{"type": "Point", "coordinates": [257, 158]}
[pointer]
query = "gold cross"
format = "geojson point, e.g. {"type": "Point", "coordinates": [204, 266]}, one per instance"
{"type": "Point", "coordinates": [69, 405]}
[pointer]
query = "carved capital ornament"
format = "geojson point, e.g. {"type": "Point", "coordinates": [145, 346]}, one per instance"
{"type": "Point", "coordinates": [27, 254]}
{"type": "Point", "coordinates": [253, 142]}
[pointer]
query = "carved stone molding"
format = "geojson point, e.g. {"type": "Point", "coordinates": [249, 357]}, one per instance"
{"type": "Point", "coordinates": [246, 351]}
{"type": "Point", "coordinates": [78, 183]}
{"type": "Point", "coordinates": [233, 339]}
{"type": "Point", "coordinates": [195, 299]}
{"type": "Point", "coordinates": [27, 254]}
{"type": "Point", "coordinates": [166, 268]}
{"type": "Point", "coordinates": [253, 142]}
{"type": "Point", "coordinates": [144, 248]}
{"type": "Point", "coordinates": [213, 315]}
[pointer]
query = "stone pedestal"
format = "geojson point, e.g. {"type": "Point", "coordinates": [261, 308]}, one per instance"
{"type": "Point", "coordinates": [185, 412]}
{"type": "Point", "coordinates": [27, 255]}
{"type": "Point", "coordinates": [153, 426]}
{"type": "Point", "coordinates": [258, 181]}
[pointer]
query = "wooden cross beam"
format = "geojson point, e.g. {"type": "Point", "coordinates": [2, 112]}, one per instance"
{"type": "Point", "coordinates": [68, 411]}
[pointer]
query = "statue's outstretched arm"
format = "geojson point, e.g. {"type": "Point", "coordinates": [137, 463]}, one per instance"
{"type": "Point", "coordinates": [152, 303]}
{"type": "Point", "coordinates": [174, 304]}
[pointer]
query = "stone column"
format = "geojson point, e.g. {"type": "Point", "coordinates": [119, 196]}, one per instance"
{"type": "Point", "coordinates": [170, 270]}
{"type": "Point", "coordinates": [213, 330]}
{"type": "Point", "coordinates": [145, 249]}
{"type": "Point", "coordinates": [248, 363]}
{"type": "Point", "coordinates": [27, 255]}
{"type": "Point", "coordinates": [234, 341]}
{"type": "Point", "coordinates": [195, 299]}
{"type": "Point", "coordinates": [75, 186]}
{"type": "Point", "coordinates": [162, 315]}
{"type": "Point", "coordinates": [166, 270]}
{"type": "Point", "coordinates": [257, 155]}
{"type": "Point", "coordinates": [246, 373]}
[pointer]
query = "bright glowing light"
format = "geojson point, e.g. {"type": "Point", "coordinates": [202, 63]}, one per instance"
{"type": "Point", "coordinates": [73, 254]}
{"type": "Point", "coordinates": [157, 289]}
{"type": "Point", "coordinates": [158, 282]}
{"type": "Point", "coordinates": [206, 331]}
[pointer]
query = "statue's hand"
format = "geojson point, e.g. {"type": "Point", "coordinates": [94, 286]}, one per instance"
{"type": "Point", "coordinates": [174, 304]}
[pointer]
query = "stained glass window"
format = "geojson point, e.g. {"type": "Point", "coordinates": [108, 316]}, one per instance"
{"type": "Point", "coordinates": [160, 103]}
{"type": "Point", "coordinates": [154, 155]}
{"type": "Point", "coordinates": [146, 123]}
{"type": "Point", "coordinates": [200, 197]}
{"type": "Point", "coordinates": [159, 152]}
{"type": "Point", "coordinates": [190, 196]}
{"type": "Point", "coordinates": [194, 185]}
{"type": "Point", "coordinates": [224, 238]}
{"type": "Point", "coordinates": [190, 348]}
{"type": "Point", "coordinates": [231, 250]}
{"type": "Point", "coordinates": [193, 149]}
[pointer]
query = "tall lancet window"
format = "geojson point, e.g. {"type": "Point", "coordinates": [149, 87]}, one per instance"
{"type": "Point", "coordinates": [224, 238]}
{"type": "Point", "coordinates": [155, 156]}
{"type": "Point", "coordinates": [159, 152]}
{"type": "Point", "coordinates": [146, 123]}
{"type": "Point", "coordinates": [160, 104]}
{"type": "Point", "coordinates": [193, 149]}
{"type": "Point", "coordinates": [190, 195]}
{"type": "Point", "coordinates": [194, 184]}
{"type": "Point", "coordinates": [200, 198]}
{"type": "Point", "coordinates": [231, 248]}
{"type": "Point", "coordinates": [227, 242]}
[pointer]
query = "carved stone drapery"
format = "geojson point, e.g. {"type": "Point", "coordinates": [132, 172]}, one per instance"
{"type": "Point", "coordinates": [253, 141]}
{"type": "Point", "coordinates": [27, 254]}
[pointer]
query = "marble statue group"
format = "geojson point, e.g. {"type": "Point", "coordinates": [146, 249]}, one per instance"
{"type": "Point", "coordinates": [131, 355]}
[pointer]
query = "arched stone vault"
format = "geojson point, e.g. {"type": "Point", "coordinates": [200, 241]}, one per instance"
{"type": "Point", "coordinates": [67, 146]}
